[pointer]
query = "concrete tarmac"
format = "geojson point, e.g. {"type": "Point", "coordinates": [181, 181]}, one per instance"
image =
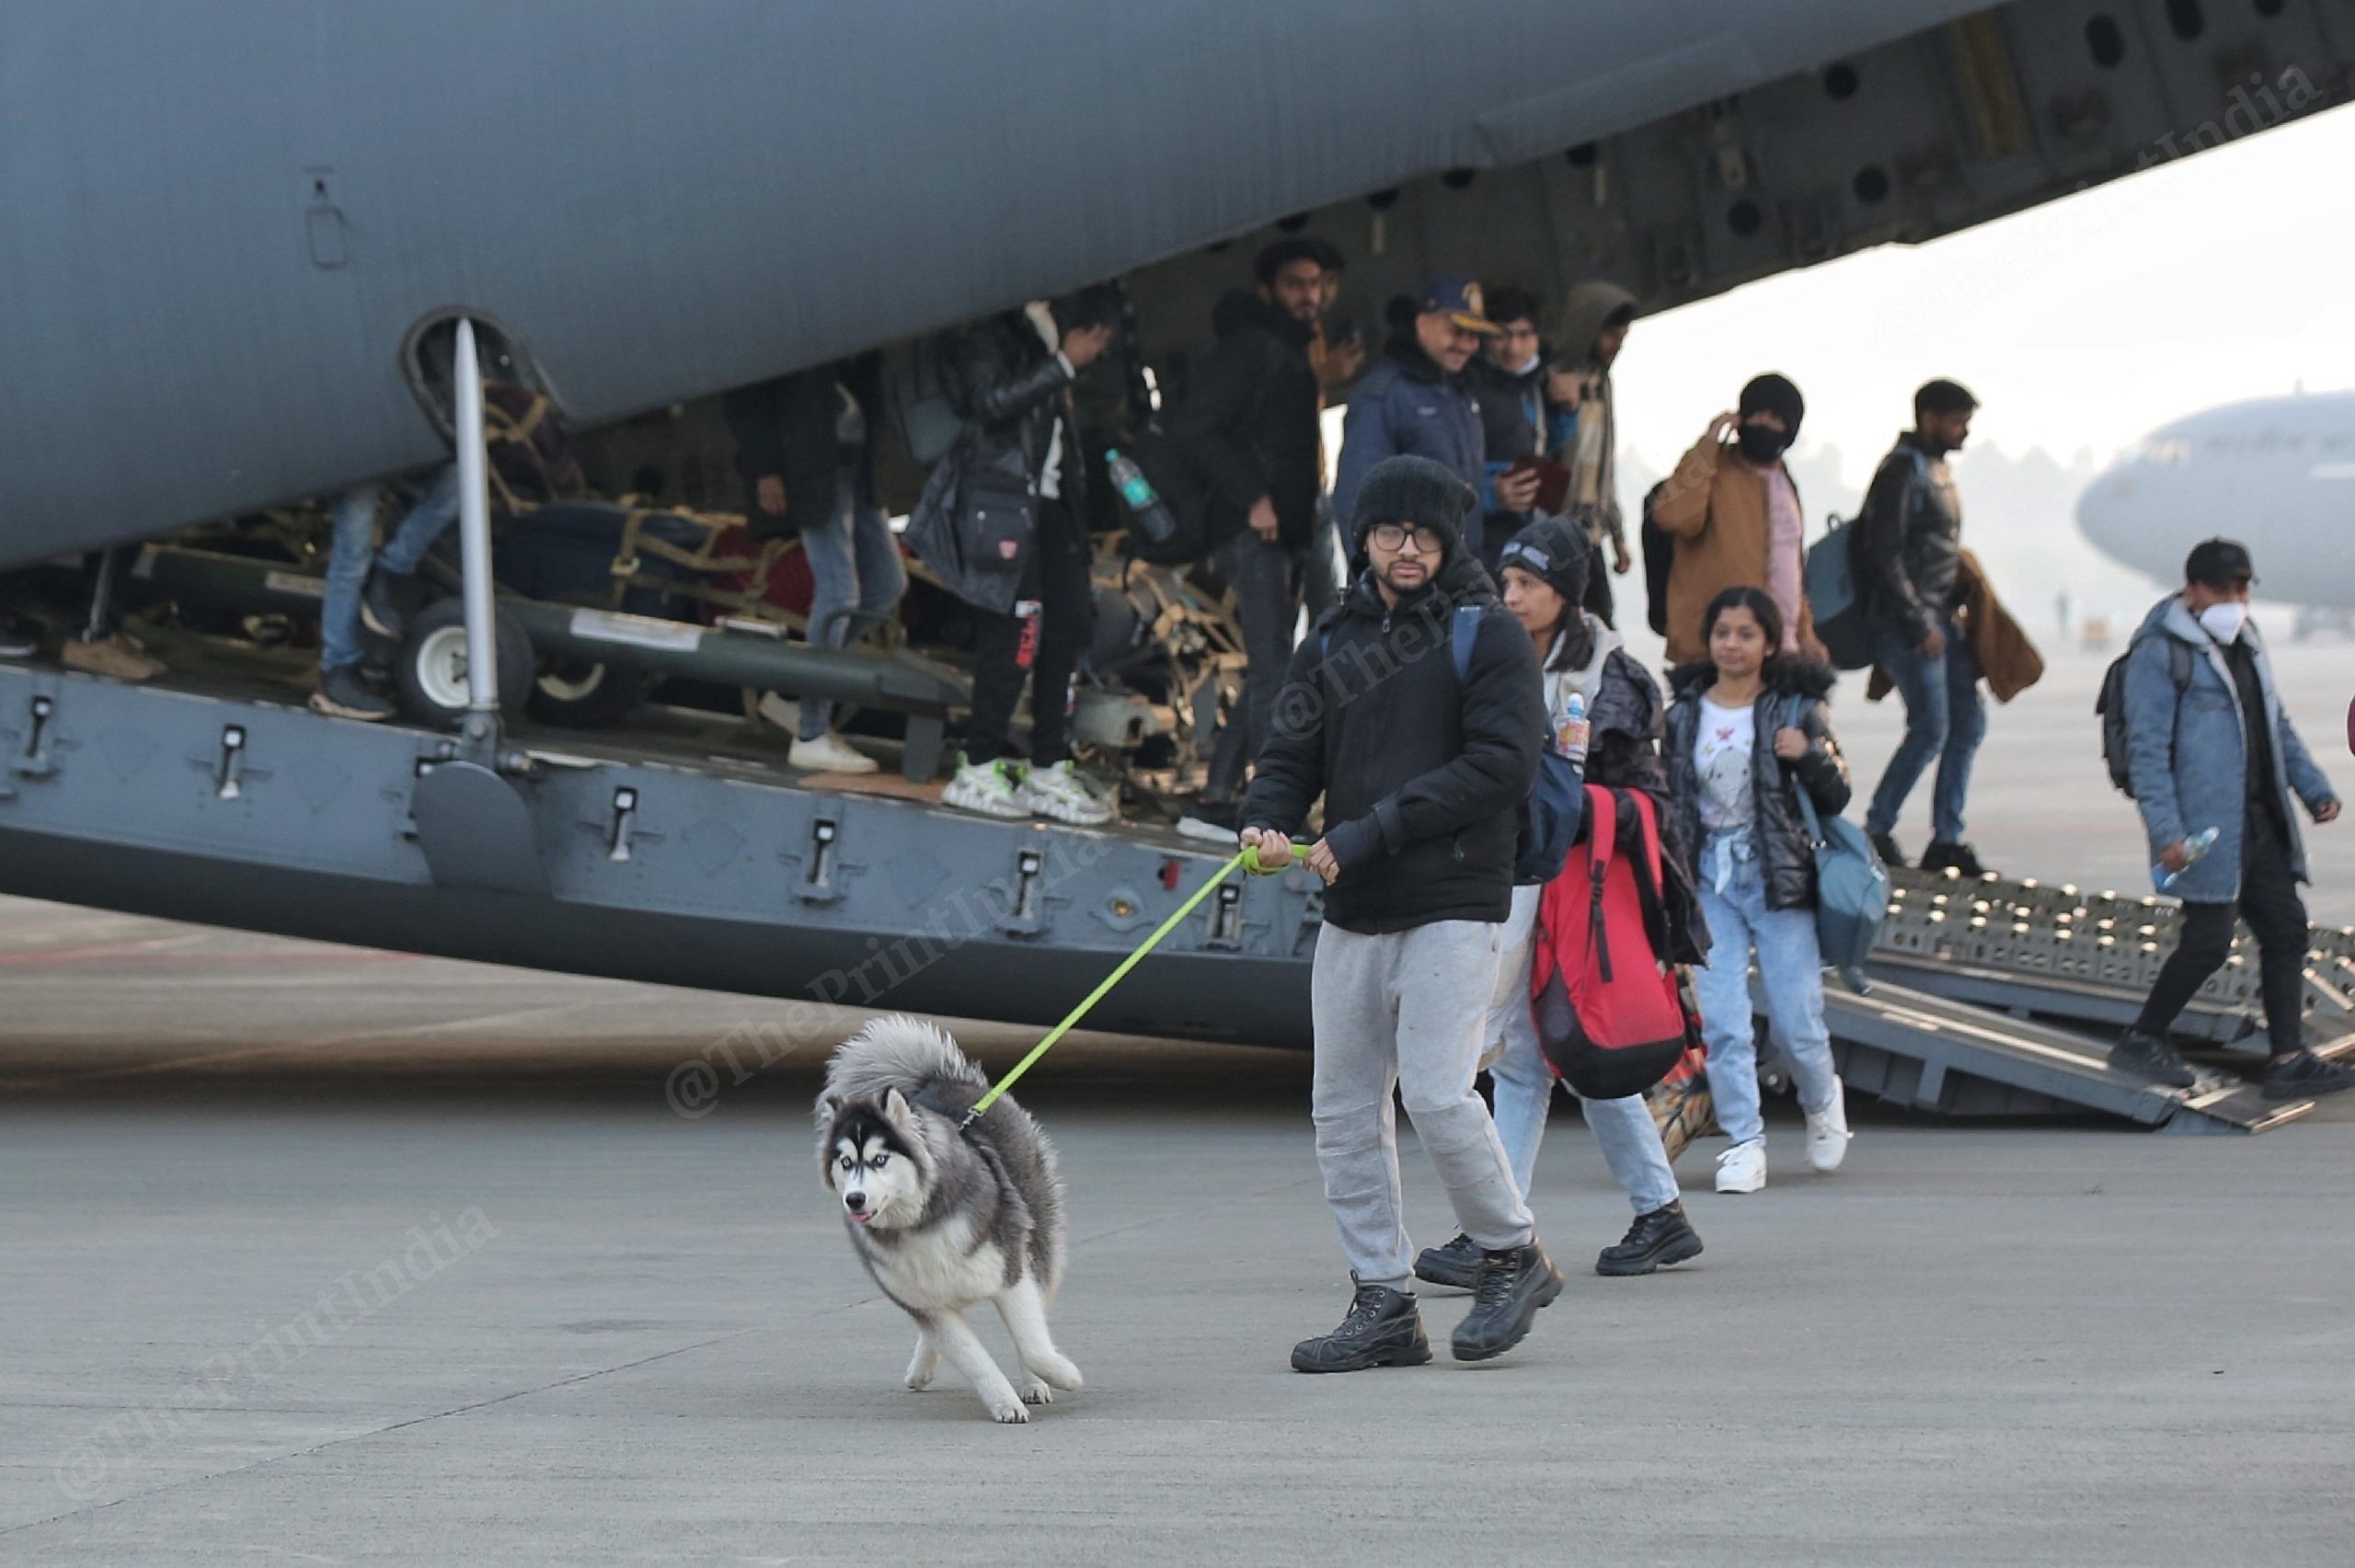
{"type": "Point", "coordinates": [322, 1255]}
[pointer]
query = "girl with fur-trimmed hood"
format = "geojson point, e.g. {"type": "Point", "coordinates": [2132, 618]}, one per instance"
{"type": "Point", "coordinates": [1747, 731]}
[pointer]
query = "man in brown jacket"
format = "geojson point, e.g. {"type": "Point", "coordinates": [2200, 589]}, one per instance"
{"type": "Point", "coordinates": [1734, 513]}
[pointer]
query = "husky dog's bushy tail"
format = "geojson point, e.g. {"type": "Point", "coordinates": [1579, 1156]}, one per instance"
{"type": "Point", "coordinates": [899, 1052]}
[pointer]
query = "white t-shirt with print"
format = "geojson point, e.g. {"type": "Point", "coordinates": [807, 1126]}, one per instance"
{"type": "Point", "coordinates": [1721, 751]}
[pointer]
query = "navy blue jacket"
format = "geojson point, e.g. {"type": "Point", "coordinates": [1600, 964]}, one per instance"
{"type": "Point", "coordinates": [1408, 406]}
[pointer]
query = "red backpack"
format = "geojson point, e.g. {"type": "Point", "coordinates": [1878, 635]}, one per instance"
{"type": "Point", "coordinates": [1613, 1013]}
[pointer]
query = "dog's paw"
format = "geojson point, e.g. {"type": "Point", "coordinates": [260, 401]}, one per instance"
{"type": "Point", "coordinates": [1014, 1415]}
{"type": "Point", "coordinates": [918, 1382]}
{"type": "Point", "coordinates": [1060, 1372]}
{"type": "Point", "coordinates": [1036, 1393]}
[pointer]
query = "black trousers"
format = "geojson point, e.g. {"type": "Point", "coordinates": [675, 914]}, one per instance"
{"type": "Point", "coordinates": [1267, 583]}
{"type": "Point", "coordinates": [1055, 615]}
{"type": "Point", "coordinates": [2276, 916]}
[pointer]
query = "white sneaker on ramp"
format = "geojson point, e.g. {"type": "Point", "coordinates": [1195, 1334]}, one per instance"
{"type": "Point", "coordinates": [1058, 791]}
{"type": "Point", "coordinates": [989, 788]}
{"type": "Point", "coordinates": [830, 753]}
{"type": "Point", "coordinates": [1742, 1168]}
{"type": "Point", "coordinates": [1827, 1131]}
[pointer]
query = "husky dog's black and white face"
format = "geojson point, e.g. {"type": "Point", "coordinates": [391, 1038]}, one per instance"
{"type": "Point", "coordinates": [869, 1157]}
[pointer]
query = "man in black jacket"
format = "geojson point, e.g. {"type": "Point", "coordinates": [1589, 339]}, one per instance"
{"type": "Point", "coordinates": [1249, 427]}
{"type": "Point", "coordinates": [1909, 558]}
{"type": "Point", "coordinates": [1422, 775]}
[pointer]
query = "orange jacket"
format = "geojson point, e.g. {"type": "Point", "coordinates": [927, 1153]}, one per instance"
{"type": "Point", "coordinates": [1715, 510]}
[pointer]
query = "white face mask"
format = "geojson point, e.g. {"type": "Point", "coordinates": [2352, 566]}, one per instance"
{"type": "Point", "coordinates": [2223, 620]}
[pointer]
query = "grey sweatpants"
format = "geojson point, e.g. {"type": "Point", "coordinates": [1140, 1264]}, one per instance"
{"type": "Point", "coordinates": [1406, 1011]}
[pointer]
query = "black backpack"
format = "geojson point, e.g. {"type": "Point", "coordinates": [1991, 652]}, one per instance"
{"type": "Point", "coordinates": [1659, 558]}
{"type": "Point", "coordinates": [2110, 708]}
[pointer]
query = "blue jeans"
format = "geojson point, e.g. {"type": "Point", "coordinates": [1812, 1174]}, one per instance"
{"type": "Point", "coordinates": [1793, 966]}
{"type": "Point", "coordinates": [854, 564]}
{"type": "Point", "coordinates": [1624, 1129]}
{"type": "Point", "coordinates": [1944, 718]}
{"type": "Point", "coordinates": [354, 553]}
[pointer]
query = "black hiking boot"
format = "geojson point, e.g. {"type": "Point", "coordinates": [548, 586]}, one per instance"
{"type": "Point", "coordinates": [2146, 1056]}
{"type": "Point", "coordinates": [1961, 859]}
{"type": "Point", "coordinates": [1383, 1329]}
{"type": "Point", "coordinates": [1513, 1284]}
{"type": "Point", "coordinates": [1655, 1240]}
{"type": "Point", "coordinates": [1457, 1264]}
{"type": "Point", "coordinates": [1885, 846]}
{"type": "Point", "coordinates": [2303, 1075]}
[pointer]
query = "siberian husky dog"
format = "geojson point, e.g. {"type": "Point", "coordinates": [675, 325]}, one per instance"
{"type": "Point", "coordinates": [946, 1218]}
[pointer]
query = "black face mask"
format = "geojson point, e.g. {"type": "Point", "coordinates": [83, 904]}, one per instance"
{"type": "Point", "coordinates": [1762, 444]}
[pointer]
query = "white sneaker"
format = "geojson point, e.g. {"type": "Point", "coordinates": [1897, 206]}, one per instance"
{"type": "Point", "coordinates": [1742, 1168]}
{"type": "Point", "coordinates": [989, 788]}
{"type": "Point", "coordinates": [830, 753]}
{"type": "Point", "coordinates": [1060, 792]}
{"type": "Point", "coordinates": [1827, 1131]}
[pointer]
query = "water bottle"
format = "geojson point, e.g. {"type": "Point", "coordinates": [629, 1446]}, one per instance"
{"type": "Point", "coordinates": [1570, 729]}
{"type": "Point", "coordinates": [1145, 503]}
{"type": "Point", "coordinates": [2195, 850]}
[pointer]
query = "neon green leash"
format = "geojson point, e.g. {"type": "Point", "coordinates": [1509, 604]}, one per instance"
{"type": "Point", "coordinates": [1248, 857]}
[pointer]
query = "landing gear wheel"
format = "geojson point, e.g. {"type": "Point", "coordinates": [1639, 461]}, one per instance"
{"type": "Point", "coordinates": [582, 695]}
{"type": "Point", "coordinates": [431, 668]}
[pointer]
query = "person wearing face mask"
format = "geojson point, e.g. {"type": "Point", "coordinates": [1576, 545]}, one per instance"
{"type": "Point", "coordinates": [1733, 512]}
{"type": "Point", "coordinates": [1909, 564]}
{"type": "Point", "coordinates": [2209, 747]}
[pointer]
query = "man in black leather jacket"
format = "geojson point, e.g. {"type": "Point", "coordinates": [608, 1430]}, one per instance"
{"type": "Point", "coordinates": [1001, 523]}
{"type": "Point", "coordinates": [1909, 561]}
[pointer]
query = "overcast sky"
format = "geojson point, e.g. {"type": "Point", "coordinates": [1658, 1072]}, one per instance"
{"type": "Point", "coordinates": [2085, 323]}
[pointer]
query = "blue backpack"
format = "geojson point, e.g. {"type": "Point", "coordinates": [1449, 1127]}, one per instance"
{"type": "Point", "coordinates": [1557, 803]}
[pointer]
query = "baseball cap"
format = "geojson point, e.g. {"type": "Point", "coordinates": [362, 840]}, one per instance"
{"type": "Point", "coordinates": [1459, 297]}
{"type": "Point", "coordinates": [2219, 563]}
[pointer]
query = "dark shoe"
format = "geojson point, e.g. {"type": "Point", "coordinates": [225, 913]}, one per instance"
{"type": "Point", "coordinates": [2304, 1075]}
{"type": "Point", "coordinates": [381, 598]}
{"type": "Point", "coordinates": [1383, 1329]}
{"type": "Point", "coordinates": [1513, 1284]}
{"type": "Point", "coordinates": [1961, 859]}
{"type": "Point", "coordinates": [1885, 846]}
{"type": "Point", "coordinates": [1457, 1264]}
{"type": "Point", "coordinates": [2145, 1055]}
{"type": "Point", "coordinates": [20, 638]}
{"type": "Point", "coordinates": [1655, 1240]}
{"type": "Point", "coordinates": [342, 694]}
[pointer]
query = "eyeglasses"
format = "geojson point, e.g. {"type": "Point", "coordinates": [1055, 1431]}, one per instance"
{"type": "Point", "coordinates": [1392, 536]}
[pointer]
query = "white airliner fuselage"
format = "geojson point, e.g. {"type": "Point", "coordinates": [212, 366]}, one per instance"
{"type": "Point", "coordinates": [2277, 473]}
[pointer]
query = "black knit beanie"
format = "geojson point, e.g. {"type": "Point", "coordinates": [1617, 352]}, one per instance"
{"type": "Point", "coordinates": [1414, 490]}
{"type": "Point", "coordinates": [1775, 394]}
{"type": "Point", "coordinates": [1553, 551]}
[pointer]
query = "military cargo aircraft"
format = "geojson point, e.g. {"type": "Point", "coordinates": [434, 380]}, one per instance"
{"type": "Point", "coordinates": [227, 228]}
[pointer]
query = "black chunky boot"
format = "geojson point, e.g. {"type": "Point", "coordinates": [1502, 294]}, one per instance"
{"type": "Point", "coordinates": [1662, 1236]}
{"type": "Point", "coordinates": [1457, 1264]}
{"type": "Point", "coordinates": [2146, 1056]}
{"type": "Point", "coordinates": [1513, 1284]}
{"type": "Point", "coordinates": [1383, 1329]}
